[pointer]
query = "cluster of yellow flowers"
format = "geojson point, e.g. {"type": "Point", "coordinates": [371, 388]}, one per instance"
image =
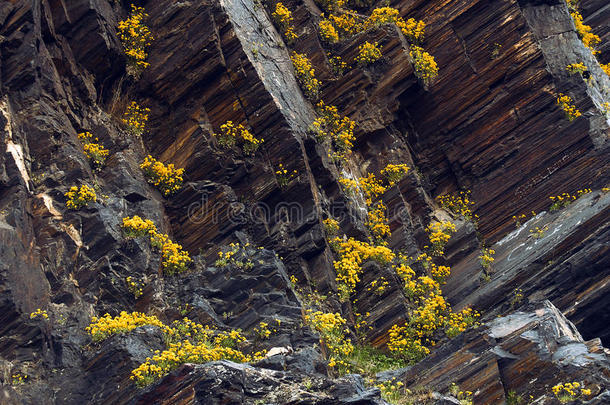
{"type": "Point", "coordinates": [263, 330]}
{"type": "Point", "coordinates": [439, 234]}
{"type": "Point", "coordinates": [392, 391]}
{"type": "Point", "coordinates": [352, 254]}
{"type": "Point", "coordinates": [568, 392]}
{"type": "Point", "coordinates": [337, 64]}
{"type": "Point", "coordinates": [283, 17]}
{"type": "Point", "coordinates": [136, 38]}
{"type": "Point", "coordinates": [94, 151]}
{"type": "Point", "coordinates": [191, 342]}
{"type": "Point", "coordinates": [486, 257]}
{"type": "Point", "coordinates": [565, 199]}
{"type": "Point", "coordinates": [306, 75]}
{"type": "Point", "coordinates": [458, 204]}
{"type": "Point", "coordinates": [173, 258]}
{"type": "Point", "coordinates": [328, 32]}
{"type": "Point", "coordinates": [331, 5]}
{"type": "Point", "coordinates": [412, 29]}
{"type": "Point", "coordinates": [368, 53]}
{"type": "Point", "coordinates": [236, 255]}
{"type": "Point", "coordinates": [424, 64]}
{"type": "Point", "coordinates": [459, 322]}
{"type": "Point", "coordinates": [105, 326]}
{"type": "Point", "coordinates": [135, 118]}
{"type": "Point", "coordinates": [330, 125]}
{"type": "Point", "coordinates": [333, 332]}
{"type": "Point", "coordinates": [77, 198]}
{"type": "Point", "coordinates": [134, 286]}
{"type": "Point", "coordinates": [567, 105]}
{"type": "Point", "coordinates": [394, 172]}
{"type": "Point", "coordinates": [166, 178]}
{"type": "Point", "coordinates": [588, 38]}
{"type": "Point", "coordinates": [372, 188]}
{"type": "Point", "coordinates": [606, 68]}
{"type": "Point", "coordinates": [538, 232]}
{"type": "Point", "coordinates": [378, 286]}
{"type": "Point", "coordinates": [231, 133]}
{"type": "Point", "coordinates": [377, 222]}
{"type": "Point", "coordinates": [402, 344]}
{"type": "Point", "coordinates": [346, 24]}
{"type": "Point", "coordinates": [574, 68]}
{"type": "Point", "coordinates": [283, 176]}
{"type": "Point", "coordinates": [39, 313]}
{"type": "Point", "coordinates": [18, 379]}
{"type": "Point", "coordinates": [331, 226]}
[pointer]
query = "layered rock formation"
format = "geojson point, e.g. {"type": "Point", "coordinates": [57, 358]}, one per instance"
{"type": "Point", "coordinates": [488, 123]}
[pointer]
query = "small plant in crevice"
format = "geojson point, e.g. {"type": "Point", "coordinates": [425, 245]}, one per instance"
{"type": "Point", "coordinates": [487, 258]}
{"type": "Point", "coordinates": [305, 74]}
{"type": "Point", "coordinates": [95, 152]}
{"type": "Point", "coordinates": [512, 398]}
{"type": "Point", "coordinates": [439, 234]}
{"type": "Point", "coordinates": [230, 134]}
{"type": "Point", "coordinates": [283, 17]}
{"type": "Point", "coordinates": [77, 198]}
{"type": "Point", "coordinates": [465, 397]}
{"type": "Point", "coordinates": [337, 64]}
{"type": "Point", "coordinates": [18, 379]}
{"type": "Point", "coordinates": [538, 233]}
{"type": "Point", "coordinates": [236, 255]}
{"type": "Point", "coordinates": [39, 313]}
{"type": "Point", "coordinates": [567, 105]}
{"type": "Point", "coordinates": [368, 53]}
{"type": "Point", "coordinates": [565, 199]}
{"type": "Point", "coordinates": [424, 64]}
{"type": "Point", "coordinates": [516, 298]}
{"type": "Point", "coordinates": [284, 176]}
{"type": "Point", "coordinates": [518, 218]}
{"type": "Point", "coordinates": [459, 204]}
{"type": "Point", "coordinates": [166, 178]}
{"type": "Point", "coordinates": [134, 286]}
{"type": "Point", "coordinates": [135, 118]}
{"type": "Point", "coordinates": [173, 258]}
{"type": "Point", "coordinates": [576, 68]}
{"type": "Point", "coordinates": [568, 392]}
{"type": "Point", "coordinates": [136, 39]}
{"type": "Point", "coordinates": [394, 172]}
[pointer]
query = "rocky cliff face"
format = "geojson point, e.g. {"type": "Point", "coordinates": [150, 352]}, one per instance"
{"type": "Point", "coordinates": [488, 123]}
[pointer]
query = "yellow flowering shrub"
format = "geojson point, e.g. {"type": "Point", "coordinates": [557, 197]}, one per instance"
{"type": "Point", "coordinates": [352, 254]}
{"type": "Point", "coordinates": [345, 24]}
{"type": "Point", "coordinates": [18, 379]}
{"type": "Point", "coordinates": [377, 222]}
{"type": "Point", "coordinates": [331, 226]}
{"type": "Point", "coordinates": [134, 286]}
{"type": "Point", "coordinates": [439, 234]}
{"type": "Point", "coordinates": [173, 258]}
{"type": "Point", "coordinates": [458, 204]}
{"type": "Point", "coordinates": [568, 392]}
{"type": "Point", "coordinates": [105, 326]}
{"type": "Point", "coordinates": [606, 68]}
{"type": "Point", "coordinates": [412, 29]}
{"type": "Point", "coordinates": [264, 330]}
{"type": "Point", "coordinates": [235, 254]}
{"type": "Point", "coordinates": [39, 313]}
{"type": "Point", "coordinates": [166, 178]}
{"type": "Point", "coordinates": [588, 38]}
{"type": "Point", "coordinates": [306, 75]}
{"type": "Point", "coordinates": [190, 342]}
{"type": "Point", "coordinates": [394, 173]}
{"type": "Point", "coordinates": [337, 64]}
{"type": "Point", "coordinates": [565, 199]}
{"type": "Point", "coordinates": [284, 176]}
{"type": "Point", "coordinates": [77, 197]}
{"type": "Point", "coordinates": [379, 285]}
{"type": "Point", "coordinates": [328, 32]}
{"type": "Point", "coordinates": [135, 226]}
{"type": "Point", "coordinates": [283, 17]}
{"type": "Point", "coordinates": [574, 68]}
{"type": "Point", "coordinates": [371, 187]}
{"type": "Point", "coordinates": [136, 38]}
{"type": "Point", "coordinates": [487, 258]}
{"type": "Point", "coordinates": [402, 344]}
{"type": "Point", "coordinates": [458, 322]}
{"type": "Point", "coordinates": [135, 118]}
{"type": "Point", "coordinates": [368, 53]}
{"type": "Point", "coordinates": [567, 105]}
{"type": "Point", "coordinates": [94, 151]}
{"type": "Point", "coordinates": [424, 64]}
{"type": "Point", "coordinates": [330, 125]}
{"type": "Point", "coordinates": [230, 134]}
{"type": "Point", "coordinates": [333, 332]}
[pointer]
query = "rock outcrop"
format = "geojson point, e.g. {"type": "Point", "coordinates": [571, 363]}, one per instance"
{"type": "Point", "coordinates": [488, 123]}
